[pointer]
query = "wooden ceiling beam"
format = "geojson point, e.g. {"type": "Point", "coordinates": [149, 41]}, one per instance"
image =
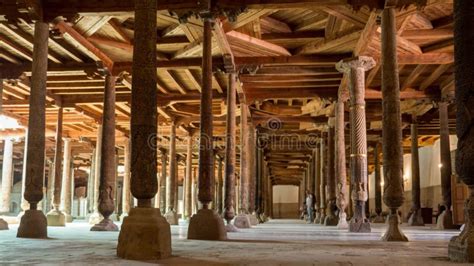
{"type": "Point", "coordinates": [427, 82]}
{"type": "Point", "coordinates": [64, 28]}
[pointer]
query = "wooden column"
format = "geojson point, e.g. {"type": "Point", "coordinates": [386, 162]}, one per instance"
{"type": "Point", "coordinates": [252, 169]}
{"type": "Point", "coordinates": [206, 224]}
{"type": "Point", "coordinates": [391, 126]}
{"type": "Point", "coordinates": [220, 183]}
{"type": "Point", "coordinates": [7, 175]}
{"type": "Point", "coordinates": [163, 178]}
{"type": "Point", "coordinates": [55, 217]}
{"type": "Point", "coordinates": [331, 219]}
{"type": "Point", "coordinates": [90, 184]}
{"type": "Point", "coordinates": [171, 180]}
{"type": "Point", "coordinates": [356, 68]}
{"type": "Point", "coordinates": [96, 217]}
{"type": "Point", "coordinates": [66, 181]}
{"type": "Point", "coordinates": [33, 224]}
{"type": "Point", "coordinates": [126, 195]}
{"type": "Point", "coordinates": [132, 242]}
{"type": "Point", "coordinates": [244, 163]}
{"type": "Point", "coordinates": [108, 165]}
{"type": "Point", "coordinates": [340, 164]}
{"type": "Point", "coordinates": [415, 218]}
{"type": "Point", "coordinates": [317, 183]}
{"type": "Point", "coordinates": [461, 248]}
{"type": "Point", "coordinates": [445, 220]}
{"type": "Point", "coordinates": [323, 172]}
{"type": "Point", "coordinates": [229, 182]}
{"type": "Point", "coordinates": [189, 176]}
{"type": "Point", "coordinates": [378, 186]}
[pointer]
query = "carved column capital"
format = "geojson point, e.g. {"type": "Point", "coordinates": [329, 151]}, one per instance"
{"type": "Point", "coordinates": [365, 62]}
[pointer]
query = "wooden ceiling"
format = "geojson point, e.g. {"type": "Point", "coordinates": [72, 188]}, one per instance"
{"type": "Point", "coordinates": [285, 52]}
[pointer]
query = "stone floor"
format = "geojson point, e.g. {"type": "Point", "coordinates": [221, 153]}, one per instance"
{"type": "Point", "coordinates": [279, 242]}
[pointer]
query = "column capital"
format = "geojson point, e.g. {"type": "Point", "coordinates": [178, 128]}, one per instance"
{"type": "Point", "coordinates": [364, 62]}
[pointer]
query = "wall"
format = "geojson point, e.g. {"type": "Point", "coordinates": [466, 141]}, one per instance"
{"type": "Point", "coordinates": [285, 202]}
{"type": "Point", "coordinates": [430, 179]}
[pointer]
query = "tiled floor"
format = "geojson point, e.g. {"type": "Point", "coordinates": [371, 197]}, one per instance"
{"type": "Point", "coordinates": [279, 242]}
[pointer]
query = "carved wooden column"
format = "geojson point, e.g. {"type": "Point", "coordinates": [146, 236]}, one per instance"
{"type": "Point", "coordinates": [206, 224]}
{"type": "Point", "coordinates": [55, 217]}
{"type": "Point", "coordinates": [108, 165]}
{"type": "Point", "coordinates": [356, 68]}
{"type": "Point", "coordinates": [461, 248]}
{"type": "Point", "coordinates": [34, 224]}
{"type": "Point", "coordinates": [242, 220]}
{"type": "Point", "coordinates": [415, 218]}
{"type": "Point", "coordinates": [331, 219]}
{"type": "Point", "coordinates": [66, 182]}
{"type": "Point", "coordinates": [90, 184]}
{"type": "Point", "coordinates": [445, 220]}
{"type": "Point", "coordinates": [378, 186]}
{"type": "Point", "coordinates": [163, 178]}
{"type": "Point", "coordinates": [189, 176]}
{"type": "Point", "coordinates": [96, 217]}
{"type": "Point", "coordinates": [133, 243]}
{"type": "Point", "coordinates": [391, 126]}
{"type": "Point", "coordinates": [7, 175]}
{"type": "Point", "coordinates": [317, 183]}
{"type": "Point", "coordinates": [220, 183]}
{"type": "Point", "coordinates": [322, 173]}
{"type": "Point", "coordinates": [229, 182]}
{"type": "Point", "coordinates": [252, 174]}
{"type": "Point", "coordinates": [340, 164]}
{"type": "Point", "coordinates": [126, 195]}
{"type": "Point", "coordinates": [171, 180]}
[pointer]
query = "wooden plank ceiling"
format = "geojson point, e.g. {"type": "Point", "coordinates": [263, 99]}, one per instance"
{"type": "Point", "coordinates": [286, 56]}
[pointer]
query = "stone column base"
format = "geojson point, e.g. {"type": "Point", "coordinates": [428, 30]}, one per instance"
{"type": "Point", "coordinates": [145, 235]}
{"type": "Point", "coordinates": [95, 218]}
{"type": "Point", "coordinates": [172, 218]}
{"type": "Point", "coordinates": [206, 225]}
{"type": "Point", "coordinates": [33, 225]}
{"type": "Point", "coordinates": [68, 217]}
{"type": "Point", "coordinates": [445, 220]}
{"type": "Point", "coordinates": [229, 227]}
{"type": "Point", "coordinates": [331, 220]}
{"type": "Point", "coordinates": [359, 226]}
{"type": "Point", "coordinates": [253, 219]}
{"type": "Point", "coordinates": [3, 224]}
{"type": "Point", "coordinates": [317, 218]}
{"type": "Point", "coordinates": [393, 232]}
{"type": "Point", "coordinates": [56, 218]}
{"type": "Point", "coordinates": [416, 219]}
{"type": "Point", "coordinates": [242, 221]}
{"type": "Point", "coordinates": [105, 225]}
{"type": "Point", "coordinates": [342, 223]}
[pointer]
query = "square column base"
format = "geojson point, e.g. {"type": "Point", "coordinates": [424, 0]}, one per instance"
{"type": "Point", "coordinates": [242, 221]}
{"type": "Point", "coordinates": [56, 218]}
{"type": "Point", "coordinates": [253, 219]}
{"type": "Point", "coordinates": [145, 235]}
{"type": "Point", "coordinates": [3, 224]}
{"type": "Point", "coordinates": [206, 225]}
{"type": "Point", "coordinates": [105, 225]}
{"type": "Point", "coordinates": [33, 225]}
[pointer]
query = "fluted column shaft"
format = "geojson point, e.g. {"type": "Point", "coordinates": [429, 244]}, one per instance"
{"type": "Point", "coordinates": [229, 182]}
{"type": "Point", "coordinates": [7, 175]}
